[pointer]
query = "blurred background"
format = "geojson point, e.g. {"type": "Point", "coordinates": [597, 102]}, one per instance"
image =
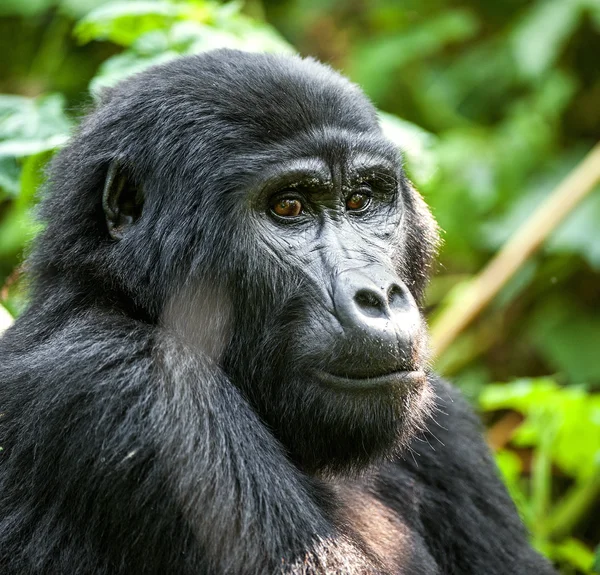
{"type": "Point", "coordinates": [493, 103]}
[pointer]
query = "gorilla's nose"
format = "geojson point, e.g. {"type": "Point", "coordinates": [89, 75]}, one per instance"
{"type": "Point", "coordinates": [382, 303]}
{"type": "Point", "coordinates": [376, 304]}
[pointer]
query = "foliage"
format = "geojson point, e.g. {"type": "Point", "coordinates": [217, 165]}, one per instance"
{"type": "Point", "coordinates": [157, 31]}
{"type": "Point", "coordinates": [492, 103]}
{"type": "Point", "coordinates": [561, 428]}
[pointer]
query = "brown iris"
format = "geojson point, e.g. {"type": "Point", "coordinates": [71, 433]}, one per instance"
{"type": "Point", "coordinates": [287, 207]}
{"type": "Point", "coordinates": [357, 201]}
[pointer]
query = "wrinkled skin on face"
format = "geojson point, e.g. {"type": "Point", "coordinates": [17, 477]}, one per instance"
{"type": "Point", "coordinates": [338, 368]}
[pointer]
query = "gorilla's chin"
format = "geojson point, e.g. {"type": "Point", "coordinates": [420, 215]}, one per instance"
{"type": "Point", "coordinates": [331, 429]}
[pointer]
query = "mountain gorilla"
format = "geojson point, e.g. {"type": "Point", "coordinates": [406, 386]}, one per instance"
{"type": "Point", "coordinates": [223, 367]}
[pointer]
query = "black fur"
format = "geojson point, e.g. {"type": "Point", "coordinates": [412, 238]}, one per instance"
{"type": "Point", "coordinates": [159, 408]}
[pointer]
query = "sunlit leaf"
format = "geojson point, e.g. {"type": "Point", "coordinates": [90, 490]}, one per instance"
{"type": "Point", "coordinates": [168, 30]}
{"type": "Point", "coordinates": [572, 413]}
{"type": "Point", "coordinates": [124, 22]}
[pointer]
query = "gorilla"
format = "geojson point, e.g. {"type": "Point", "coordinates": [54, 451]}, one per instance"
{"type": "Point", "coordinates": [223, 366]}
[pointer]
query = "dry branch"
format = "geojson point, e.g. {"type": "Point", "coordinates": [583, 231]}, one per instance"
{"type": "Point", "coordinates": [517, 250]}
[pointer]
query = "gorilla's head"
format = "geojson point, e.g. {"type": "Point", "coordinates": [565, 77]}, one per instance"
{"type": "Point", "coordinates": [251, 203]}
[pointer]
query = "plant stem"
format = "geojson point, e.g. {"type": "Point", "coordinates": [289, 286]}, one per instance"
{"type": "Point", "coordinates": [524, 242]}
{"type": "Point", "coordinates": [575, 504]}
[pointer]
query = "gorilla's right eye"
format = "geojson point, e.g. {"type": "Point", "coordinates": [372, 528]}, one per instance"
{"type": "Point", "coordinates": [287, 207]}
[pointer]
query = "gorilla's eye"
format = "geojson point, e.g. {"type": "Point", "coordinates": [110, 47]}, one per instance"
{"type": "Point", "coordinates": [357, 201]}
{"type": "Point", "coordinates": [287, 207]}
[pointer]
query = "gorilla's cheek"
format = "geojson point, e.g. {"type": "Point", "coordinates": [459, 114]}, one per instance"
{"type": "Point", "coordinates": [201, 315]}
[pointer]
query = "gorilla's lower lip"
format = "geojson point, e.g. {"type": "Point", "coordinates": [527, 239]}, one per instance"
{"type": "Point", "coordinates": [393, 378]}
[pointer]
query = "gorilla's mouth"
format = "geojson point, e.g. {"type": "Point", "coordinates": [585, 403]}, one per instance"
{"type": "Point", "coordinates": [411, 378]}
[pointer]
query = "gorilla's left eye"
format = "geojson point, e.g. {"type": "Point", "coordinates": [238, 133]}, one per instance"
{"type": "Point", "coordinates": [287, 207]}
{"type": "Point", "coordinates": [358, 201]}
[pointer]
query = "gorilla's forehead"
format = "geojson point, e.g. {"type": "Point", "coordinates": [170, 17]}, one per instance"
{"type": "Point", "coordinates": [278, 95]}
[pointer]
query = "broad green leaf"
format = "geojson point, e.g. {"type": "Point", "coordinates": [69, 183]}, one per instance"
{"type": "Point", "coordinates": [521, 395]}
{"type": "Point", "coordinates": [157, 48]}
{"type": "Point", "coordinates": [32, 125]}
{"type": "Point", "coordinates": [124, 22]}
{"type": "Point", "coordinates": [19, 148]}
{"type": "Point", "coordinates": [510, 468]}
{"type": "Point", "coordinates": [18, 226]}
{"type": "Point", "coordinates": [510, 465]}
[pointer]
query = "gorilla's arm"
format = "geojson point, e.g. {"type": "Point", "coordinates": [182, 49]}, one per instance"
{"type": "Point", "coordinates": [469, 521]}
{"type": "Point", "coordinates": [154, 457]}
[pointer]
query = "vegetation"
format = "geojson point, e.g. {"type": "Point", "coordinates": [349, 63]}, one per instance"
{"type": "Point", "coordinates": [493, 103]}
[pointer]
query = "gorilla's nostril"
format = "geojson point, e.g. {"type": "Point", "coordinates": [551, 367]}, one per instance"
{"type": "Point", "coordinates": [395, 297]}
{"type": "Point", "coordinates": [370, 302]}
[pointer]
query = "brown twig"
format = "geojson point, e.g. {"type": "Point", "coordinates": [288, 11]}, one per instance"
{"type": "Point", "coordinates": [524, 242]}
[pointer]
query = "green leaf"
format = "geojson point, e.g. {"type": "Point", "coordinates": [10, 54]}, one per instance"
{"type": "Point", "coordinates": [575, 553]}
{"type": "Point", "coordinates": [32, 125]}
{"type": "Point", "coordinates": [521, 395]}
{"type": "Point", "coordinates": [167, 30]}
{"type": "Point", "coordinates": [541, 35]}
{"type": "Point", "coordinates": [571, 415]}
{"type": "Point", "coordinates": [124, 22]}
{"type": "Point", "coordinates": [18, 225]}
{"type": "Point", "coordinates": [27, 9]}
{"type": "Point", "coordinates": [19, 148]}
{"type": "Point", "coordinates": [510, 467]}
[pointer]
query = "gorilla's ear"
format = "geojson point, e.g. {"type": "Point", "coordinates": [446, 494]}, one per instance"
{"type": "Point", "coordinates": [122, 200]}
